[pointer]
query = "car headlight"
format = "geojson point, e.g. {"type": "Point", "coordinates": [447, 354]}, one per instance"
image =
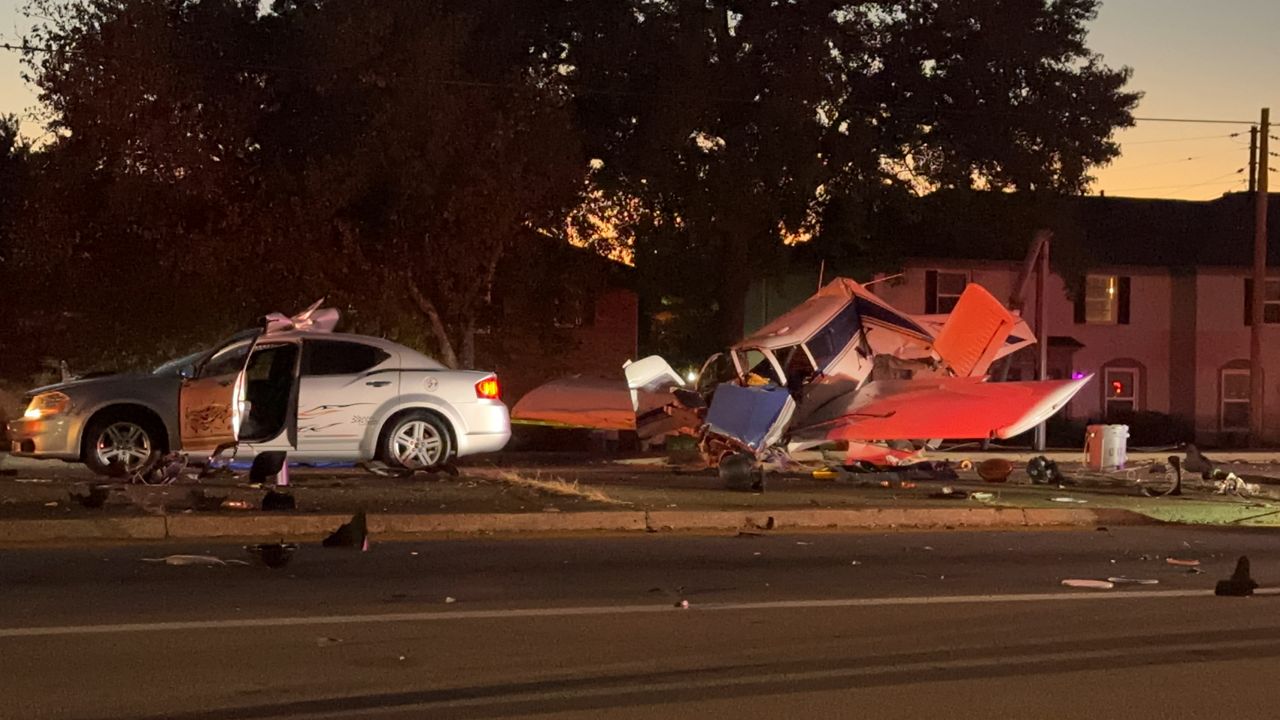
{"type": "Point", "coordinates": [46, 404]}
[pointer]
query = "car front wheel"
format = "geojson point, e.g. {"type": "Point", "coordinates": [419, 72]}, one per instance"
{"type": "Point", "coordinates": [119, 446]}
{"type": "Point", "coordinates": [416, 440]}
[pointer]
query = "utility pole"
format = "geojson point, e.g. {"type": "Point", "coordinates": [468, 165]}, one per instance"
{"type": "Point", "coordinates": [1253, 159]}
{"type": "Point", "coordinates": [1042, 326]}
{"type": "Point", "coordinates": [1256, 392]}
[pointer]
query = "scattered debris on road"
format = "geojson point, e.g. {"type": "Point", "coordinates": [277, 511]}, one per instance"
{"type": "Point", "coordinates": [352, 534]}
{"type": "Point", "coordinates": [193, 560]}
{"type": "Point", "coordinates": [1065, 499]}
{"type": "Point", "coordinates": [450, 600]}
{"type": "Point", "coordinates": [1091, 584]}
{"type": "Point", "coordinates": [327, 641]}
{"type": "Point", "coordinates": [276, 501]}
{"type": "Point", "coordinates": [1044, 471]}
{"type": "Point", "coordinates": [1122, 580]}
{"type": "Point", "coordinates": [1182, 562]}
{"type": "Point", "coordinates": [1240, 584]}
{"type": "Point", "coordinates": [995, 470]}
{"type": "Point", "coordinates": [273, 555]}
{"type": "Point", "coordinates": [92, 497]}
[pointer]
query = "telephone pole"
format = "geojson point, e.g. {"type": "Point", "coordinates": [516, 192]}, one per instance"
{"type": "Point", "coordinates": [1256, 392]}
{"type": "Point", "coordinates": [1253, 159]}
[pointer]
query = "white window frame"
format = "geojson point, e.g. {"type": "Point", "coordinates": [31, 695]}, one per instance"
{"type": "Point", "coordinates": [938, 295]}
{"type": "Point", "coordinates": [1271, 283]}
{"type": "Point", "coordinates": [1108, 398]}
{"type": "Point", "coordinates": [1223, 400]}
{"type": "Point", "coordinates": [1114, 298]}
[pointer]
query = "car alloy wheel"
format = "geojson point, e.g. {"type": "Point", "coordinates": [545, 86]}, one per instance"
{"type": "Point", "coordinates": [124, 443]}
{"type": "Point", "coordinates": [417, 444]}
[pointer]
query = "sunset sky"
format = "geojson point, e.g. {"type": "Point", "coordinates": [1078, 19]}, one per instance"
{"type": "Point", "coordinates": [1192, 58]}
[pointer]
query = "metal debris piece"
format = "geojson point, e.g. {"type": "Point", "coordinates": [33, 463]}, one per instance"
{"type": "Point", "coordinates": [273, 555]}
{"type": "Point", "coordinates": [1091, 584]}
{"type": "Point", "coordinates": [1240, 584]}
{"type": "Point", "coordinates": [193, 560]}
{"type": "Point", "coordinates": [1122, 580]}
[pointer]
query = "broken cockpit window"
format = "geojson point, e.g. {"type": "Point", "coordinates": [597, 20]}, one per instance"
{"type": "Point", "coordinates": [829, 343]}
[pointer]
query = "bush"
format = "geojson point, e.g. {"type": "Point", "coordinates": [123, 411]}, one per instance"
{"type": "Point", "coordinates": [10, 402]}
{"type": "Point", "coordinates": [1146, 429]}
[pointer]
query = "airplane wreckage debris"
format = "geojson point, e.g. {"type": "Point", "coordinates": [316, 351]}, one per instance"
{"type": "Point", "coordinates": [843, 366]}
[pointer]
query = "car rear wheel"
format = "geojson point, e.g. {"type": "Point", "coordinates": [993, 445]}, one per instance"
{"type": "Point", "coordinates": [121, 446]}
{"type": "Point", "coordinates": [416, 440]}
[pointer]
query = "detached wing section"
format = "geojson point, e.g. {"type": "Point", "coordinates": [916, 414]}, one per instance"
{"type": "Point", "coordinates": [578, 402]}
{"type": "Point", "coordinates": [644, 402]}
{"type": "Point", "coordinates": [975, 332]}
{"type": "Point", "coordinates": [945, 408]}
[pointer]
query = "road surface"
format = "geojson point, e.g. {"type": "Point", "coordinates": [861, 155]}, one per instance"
{"type": "Point", "coordinates": [901, 625]}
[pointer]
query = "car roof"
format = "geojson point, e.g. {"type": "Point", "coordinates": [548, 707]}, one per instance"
{"type": "Point", "coordinates": [409, 358]}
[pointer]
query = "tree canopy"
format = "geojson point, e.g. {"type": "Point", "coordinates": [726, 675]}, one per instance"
{"type": "Point", "coordinates": [214, 159]}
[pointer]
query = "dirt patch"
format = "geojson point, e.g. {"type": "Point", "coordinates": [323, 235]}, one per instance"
{"type": "Point", "coordinates": [555, 486]}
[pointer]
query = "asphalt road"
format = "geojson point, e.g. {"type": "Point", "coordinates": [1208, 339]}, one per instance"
{"type": "Point", "coordinates": [955, 625]}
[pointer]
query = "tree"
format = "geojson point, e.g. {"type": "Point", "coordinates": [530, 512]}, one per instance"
{"type": "Point", "coordinates": [15, 160]}
{"type": "Point", "coordinates": [385, 154]}
{"type": "Point", "coordinates": [738, 123]}
{"type": "Point", "coordinates": [421, 158]}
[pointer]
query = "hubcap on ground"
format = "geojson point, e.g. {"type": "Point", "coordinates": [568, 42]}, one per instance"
{"type": "Point", "coordinates": [125, 443]}
{"type": "Point", "coordinates": [417, 444]}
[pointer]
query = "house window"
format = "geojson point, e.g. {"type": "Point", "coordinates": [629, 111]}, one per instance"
{"type": "Point", "coordinates": [943, 289]}
{"type": "Point", "coordinates": [1234, 413]}
{"type": "Point", "coordinates": [1121, 391]}
{"type": "Point", "coordinates": [1104, 300]}
{"type": "Point", "coordinates": [1270, 302]}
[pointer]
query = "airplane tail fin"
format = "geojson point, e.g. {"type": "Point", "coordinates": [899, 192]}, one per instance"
{"type": "Point", "coordinates": [974, 332]}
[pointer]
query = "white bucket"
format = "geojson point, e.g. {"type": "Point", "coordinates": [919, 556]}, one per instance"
{"type": "Point", "coordinates": [1105, 446]}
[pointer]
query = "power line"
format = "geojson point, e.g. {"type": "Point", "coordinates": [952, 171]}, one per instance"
{"type": "Point", "coordinates": [1183, 139]}
{"type": "Point", "coordinates": [1197, 120]}
{"type": "Point", "coordinates": [1172, 162]}
{"type": "Point", "coordinates": [1210, 181]}
{"type": "Point", "coordinates": [1237, 183]}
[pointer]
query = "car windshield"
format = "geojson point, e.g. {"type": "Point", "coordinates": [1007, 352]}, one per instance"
{"type": "Point", "coordinates": [175, 367]}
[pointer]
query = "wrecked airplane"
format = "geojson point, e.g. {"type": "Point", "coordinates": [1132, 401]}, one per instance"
{"type": "Point", "coordinates": [842, 367]}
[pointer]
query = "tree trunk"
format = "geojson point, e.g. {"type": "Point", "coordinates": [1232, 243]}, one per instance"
{"type": "Point", "coordinates": [468, 355]}
{"type": "Point", "coordinates": [731, 293]}
{"type": "Point", "coordinates": [428, 308]}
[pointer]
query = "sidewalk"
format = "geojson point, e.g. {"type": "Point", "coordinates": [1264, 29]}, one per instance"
{"type": "Point", "coordinates": [591, 497]}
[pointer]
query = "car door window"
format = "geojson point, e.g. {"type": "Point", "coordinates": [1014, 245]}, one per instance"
{"type": "Point", "coordinates": [226, 361]}
{"type": "Point", "coordinates": [337, 357]}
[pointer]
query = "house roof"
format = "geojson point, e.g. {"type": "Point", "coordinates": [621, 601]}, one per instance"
{"type": "Point", "coordinates": [1100, 230]}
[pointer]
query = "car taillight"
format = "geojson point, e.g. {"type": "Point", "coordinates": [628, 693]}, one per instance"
{"type": "Point", "coordinates": [489, 389]}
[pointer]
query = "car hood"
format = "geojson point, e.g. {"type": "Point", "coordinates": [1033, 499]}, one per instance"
{"type": "Point", "coordinates": [102, 381]}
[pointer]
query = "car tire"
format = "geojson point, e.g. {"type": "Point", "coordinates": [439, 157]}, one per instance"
{"type": "Point", "coordinates": [122, 445]}
{"type": "Point", "coordinates": [416, 440]}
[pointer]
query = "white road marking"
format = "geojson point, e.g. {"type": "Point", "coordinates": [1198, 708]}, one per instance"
{"type": "Point", "coordinates": [517, 613]}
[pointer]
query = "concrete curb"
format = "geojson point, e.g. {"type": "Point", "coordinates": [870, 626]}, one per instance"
{"type": "Point", "coordinates": [281, 526]}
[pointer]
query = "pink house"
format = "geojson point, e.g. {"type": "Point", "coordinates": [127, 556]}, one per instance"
{"type": "Point", "coordinates": [1160, 317]}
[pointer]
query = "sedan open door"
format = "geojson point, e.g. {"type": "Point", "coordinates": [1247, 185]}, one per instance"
{"type": "Point", "coordinates": [210, 404]}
